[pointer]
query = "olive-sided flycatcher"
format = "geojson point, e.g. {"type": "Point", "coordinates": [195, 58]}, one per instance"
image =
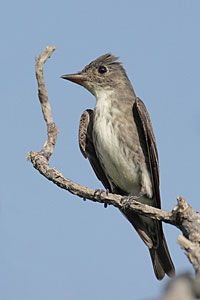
{"type": "Point", "coordinates": [118, 139]}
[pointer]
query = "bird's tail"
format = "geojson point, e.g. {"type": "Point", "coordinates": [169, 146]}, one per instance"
{"type": "Point", "coordinates": [161, 260]}
{"type": "Point", "coordinates": [152, 235]}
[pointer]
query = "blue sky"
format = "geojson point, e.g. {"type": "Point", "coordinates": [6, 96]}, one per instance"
{"type": "Point", "coordinates": [53, 245]}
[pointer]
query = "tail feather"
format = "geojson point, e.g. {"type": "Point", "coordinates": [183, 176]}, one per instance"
{"type": "Point", "coordinates": [165, 258]}
{"type": "Point", "coordinates": [151, 233]}
{"type": "Point", "coordinates": [158, 269]}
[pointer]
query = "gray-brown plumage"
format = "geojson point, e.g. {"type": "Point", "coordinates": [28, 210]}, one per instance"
{"type": "Point", "coordinates": [117, 138]}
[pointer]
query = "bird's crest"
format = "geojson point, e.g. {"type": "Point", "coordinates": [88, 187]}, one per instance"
{"type": "Point", "coordinates": [107, 59]}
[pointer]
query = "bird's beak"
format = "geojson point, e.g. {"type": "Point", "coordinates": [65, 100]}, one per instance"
{"type": "Point", "coordinates": [77, 78]}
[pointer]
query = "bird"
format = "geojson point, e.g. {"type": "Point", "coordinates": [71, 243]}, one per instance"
{"type": "Point", "coordinates": [118, 140]}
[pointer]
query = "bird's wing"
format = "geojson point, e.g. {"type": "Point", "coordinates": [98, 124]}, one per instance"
{"type": "Point", "coordinates": [145, 122]}
{"type": "Point", "coordinates": [160, 255]}
{"type": "Point", "coordinates": [87, 147]}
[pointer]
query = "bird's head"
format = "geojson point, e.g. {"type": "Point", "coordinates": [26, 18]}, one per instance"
{"type": "Point", "coordinates": [104, 73]}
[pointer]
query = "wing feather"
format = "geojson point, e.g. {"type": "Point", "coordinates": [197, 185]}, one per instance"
{"type": "Point", "coordinates": [87, 147]}
{"type": "Point", "coordinates": [151, 147]}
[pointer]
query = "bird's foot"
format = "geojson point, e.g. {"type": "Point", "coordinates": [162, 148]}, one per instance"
{"type": "Point", "coordinates": [99, 192]}
{"type": "Point", "coordinates": [128, 200]}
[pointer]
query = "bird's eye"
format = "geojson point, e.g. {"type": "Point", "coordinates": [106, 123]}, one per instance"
{"type": "Point", "coordinates": [102, 69]}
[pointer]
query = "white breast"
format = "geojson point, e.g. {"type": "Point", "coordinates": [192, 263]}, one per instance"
{"type": "Point", "coordinates": [123, 173]}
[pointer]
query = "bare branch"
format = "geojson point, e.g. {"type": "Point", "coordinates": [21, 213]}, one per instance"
{"type": "Point", "coordinates": [192, 251]}
{"type": "Point", "coordinates": [52, 130]}
{"type": "Point", "coordinates": [183, 287]}
{"type": "Point", "coordinates": [182, 216]}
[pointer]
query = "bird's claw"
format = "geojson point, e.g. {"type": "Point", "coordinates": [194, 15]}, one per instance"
{"type": "Point", "coordinates": [128, 200]}
{"type": "Point", "coordinates": [99, 192]}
